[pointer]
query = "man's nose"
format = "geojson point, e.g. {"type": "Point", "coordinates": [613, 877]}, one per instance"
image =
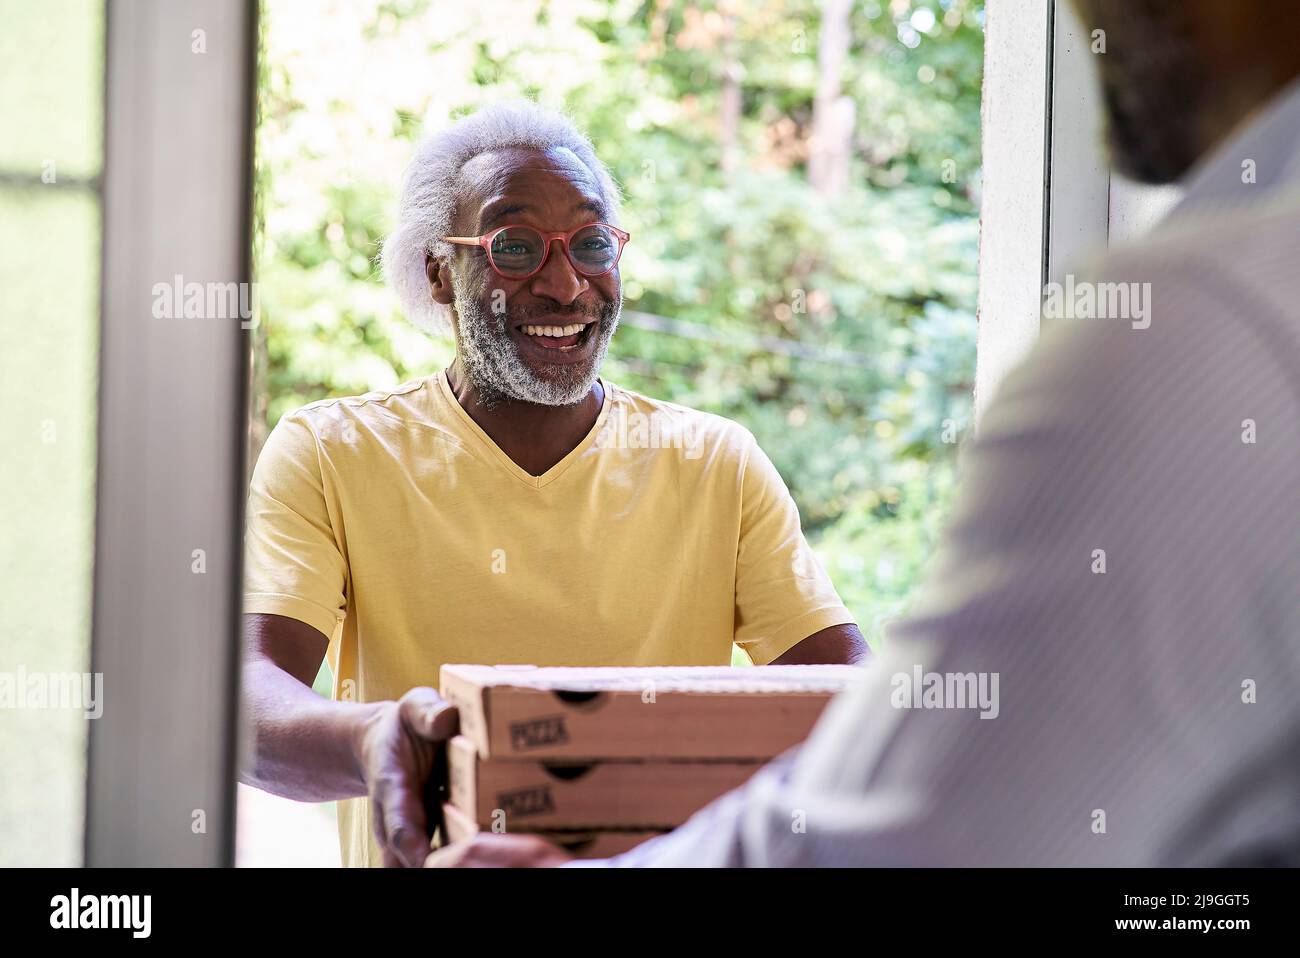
{"type": "Point", "coordinates": [558, 280]}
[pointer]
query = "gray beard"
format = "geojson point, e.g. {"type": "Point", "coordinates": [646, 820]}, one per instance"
{"type": "Point", "coordinates": [493, 363]}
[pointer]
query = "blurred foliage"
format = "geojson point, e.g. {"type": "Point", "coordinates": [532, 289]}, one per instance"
{"type": "Point", "coordinates": [840, 329]}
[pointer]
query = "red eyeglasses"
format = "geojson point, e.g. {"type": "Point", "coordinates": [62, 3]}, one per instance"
{"type": "Point", "coordinates": [518, 251]}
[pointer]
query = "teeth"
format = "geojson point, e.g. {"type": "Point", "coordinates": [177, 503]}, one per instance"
{"type": "Point", "coordinates": [556, 331]}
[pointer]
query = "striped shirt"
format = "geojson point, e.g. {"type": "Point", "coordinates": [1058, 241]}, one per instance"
{"type": "Point", "coordinates": [1103, 667]}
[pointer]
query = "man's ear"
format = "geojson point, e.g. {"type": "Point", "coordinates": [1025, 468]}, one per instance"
{"type": "Point", "coordinates": [439, 274]}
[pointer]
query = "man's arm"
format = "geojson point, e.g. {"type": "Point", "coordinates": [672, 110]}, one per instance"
{"type": "Point", "coordinates": [838, 645]}
{"type": "Point", "coordinates": [307, 747]}
{"type": "Point", "coordinates": [787, 609]}
{"type": "Point", "coordinates": [311, 749]}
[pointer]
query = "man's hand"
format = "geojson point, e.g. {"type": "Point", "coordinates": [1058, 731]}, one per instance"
{"type": "Point", "coordinates": [492, 850]}
{"type": "Point", "coordinates": [396, 750]}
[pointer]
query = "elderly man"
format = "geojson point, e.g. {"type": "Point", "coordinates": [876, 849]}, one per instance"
{"type": "Point", "coordinates": [514, 508]}
{"type": "Point", "coordinates": [1125, 553]}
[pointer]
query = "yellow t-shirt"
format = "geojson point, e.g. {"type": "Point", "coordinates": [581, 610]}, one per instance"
{"type": "Point", "coordinates": [393, 524]}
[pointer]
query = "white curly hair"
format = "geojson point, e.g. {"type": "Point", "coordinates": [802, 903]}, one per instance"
{"type": "Point", "coordinates": [431, 189]}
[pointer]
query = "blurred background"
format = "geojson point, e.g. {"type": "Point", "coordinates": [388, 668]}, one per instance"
{"type": "Point", "coordinates": [829, 148]}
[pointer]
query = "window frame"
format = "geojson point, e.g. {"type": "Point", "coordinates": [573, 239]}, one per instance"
{"type": "Point", "coordinates": [177, 195]}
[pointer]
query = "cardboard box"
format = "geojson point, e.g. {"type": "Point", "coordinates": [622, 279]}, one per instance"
{"type": "Point", "coordinates": [587, 843]}
{"type": "Point", "coordinates": [544, 794]}
{"type": "Point", "coordinates": [641, 713]}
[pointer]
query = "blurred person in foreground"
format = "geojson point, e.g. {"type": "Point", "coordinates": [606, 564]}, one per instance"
{"type": "Point", "coordinates": [1125, 552]}
{"type": "Point", "coordinates": [513, 508]}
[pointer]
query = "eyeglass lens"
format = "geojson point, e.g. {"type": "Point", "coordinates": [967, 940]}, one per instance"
{"type": "Point", "coordinates": [519, 250]}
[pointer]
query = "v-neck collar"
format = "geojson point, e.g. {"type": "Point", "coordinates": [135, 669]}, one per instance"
{"type": "Point", "coordinates": [512, 467]}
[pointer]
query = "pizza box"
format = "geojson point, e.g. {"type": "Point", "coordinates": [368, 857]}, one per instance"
{"type": "Point", "coordinates": [537, 794]}
{"type": "Point", "coordinates": [681, 712]}
{"type": "Point", "coordinates": [580, 843]}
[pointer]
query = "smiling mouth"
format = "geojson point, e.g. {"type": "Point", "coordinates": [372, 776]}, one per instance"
{"type": "Point", "coordinates": [561, 339]}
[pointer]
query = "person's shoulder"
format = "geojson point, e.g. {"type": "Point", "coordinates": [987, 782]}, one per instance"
{"type": "Point", "coordinates": [377, 401]}
{"type": "Point", "coordinates": [1209, 294]}
{"type": "Point", "coordinates": [328, 417]}
{"type": "Point", "coordinates": [636, 418]}
{"type": "Point", "coordinates": [1210, 328]}
{"type": "Point", "coordinates": [1232, 265]}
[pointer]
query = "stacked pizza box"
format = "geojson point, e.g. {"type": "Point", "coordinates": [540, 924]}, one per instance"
{"type": "Point", "coordinates": [601, 759]}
